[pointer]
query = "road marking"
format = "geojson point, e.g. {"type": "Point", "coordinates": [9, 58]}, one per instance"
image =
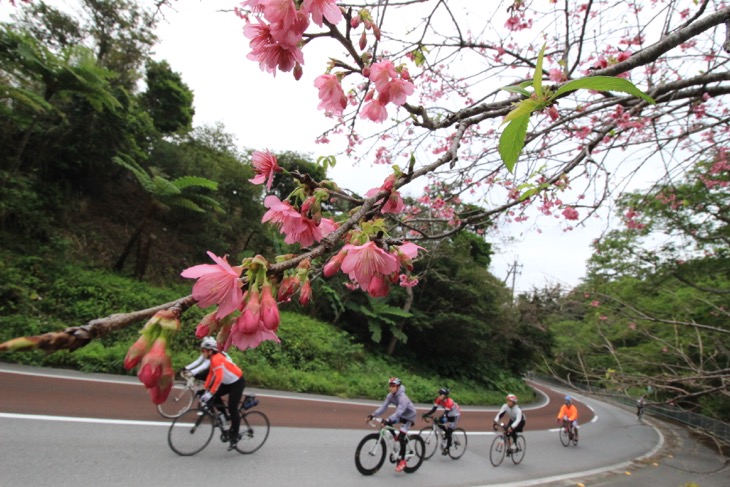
{"type": "Point", "coordinates": [70, 419]}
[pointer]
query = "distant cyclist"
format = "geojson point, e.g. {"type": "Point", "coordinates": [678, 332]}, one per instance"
{"type": "Point", "coordinates": [640, 405]}
{"type": "Point", "coordinates": [569, 412]}
{"type": "Point", "coordinates": [199, 367]}
{"type": "Point", "coordinates": [516, 422]}
{"type": "Point", "coordinates": [405, 413]}
{"type": "Point", "coordinates": [451, 415]}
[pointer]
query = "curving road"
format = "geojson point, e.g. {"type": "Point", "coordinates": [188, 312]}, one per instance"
{"type": "Point", "coordinates": [68, 428]}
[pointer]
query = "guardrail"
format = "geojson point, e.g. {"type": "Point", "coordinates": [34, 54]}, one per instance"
{"type": "Point", "coordinates": [714, 427]}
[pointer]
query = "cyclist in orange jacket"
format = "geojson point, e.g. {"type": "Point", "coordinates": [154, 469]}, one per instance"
{"type": "Point", "coordinates": [224, 377]}
{"type": "Point", "coordinates": [570, 412]}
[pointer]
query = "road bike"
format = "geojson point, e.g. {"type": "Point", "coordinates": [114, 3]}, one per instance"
{"type": "Point", "coordinates": [435, 436]}
{"type": "Point", "coordinates": [190, 432]}
{"type": "Point", "coordinates": [567, 433]}
{"type": "Point", "coordinates": [180, 398]}
{"type": "Point", "coordinates": [500, 447]}
{"type": "Point", "coordinates": [373, 449]}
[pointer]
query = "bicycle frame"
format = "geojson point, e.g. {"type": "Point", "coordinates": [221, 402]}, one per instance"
{"type": "Point", "coordinates": [387, 433]}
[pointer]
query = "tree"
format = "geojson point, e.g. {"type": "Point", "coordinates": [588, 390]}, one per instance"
{"type": "Point", "coordinates": [182, 192]}
{"type": "Point", "coordinates": [433, 84]}
{"type": "Point", "coordinates": [167, 99]}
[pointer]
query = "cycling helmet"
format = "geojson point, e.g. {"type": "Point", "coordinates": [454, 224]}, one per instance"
{"type": "Point", "coordinates": [444, 391]}
{"type": "Point", "coordinates": [568, 399]}
{"type": "Point", "coordinates": [394, 381]}
{"type": "Point", "coordinates": [209, 343]}
{"type": "Point", "coordinates": [511, 397]}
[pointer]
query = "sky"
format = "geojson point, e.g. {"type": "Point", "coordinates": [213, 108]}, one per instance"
{"type": "Point", "coordinates": [208, 48]}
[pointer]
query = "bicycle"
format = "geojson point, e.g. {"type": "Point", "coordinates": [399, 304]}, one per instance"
{"type": "Point", "coordinates": [192, 431]}
{"type": "Point", "coordinates": [374, 447]}
{"type": "Point", "coordinates": [640, 413]}
{"type": "Point", "coordinates": [435, 435]}
{"type": "Point", "coordinates": [180, 398]}
{"type": "Point", "coordinates": [500, 448]}
{"type": "Point", "coordinates": [567, 433]}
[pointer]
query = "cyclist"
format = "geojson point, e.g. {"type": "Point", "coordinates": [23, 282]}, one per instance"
{"type": "Point", "coordinates": [451, 415]}
{"type": "Point", "coordinates": [569, 412]}
{"type": "Point", "coordinates": [517, 419]}
{"type": "Point", "coordinates": [405, 413]}
{"type": "Point", "coordinates": [640, 404]}
{"type": "Point", "coordinates": [199, 367]}
{"type": "Point", "coordinates": [224, 377]}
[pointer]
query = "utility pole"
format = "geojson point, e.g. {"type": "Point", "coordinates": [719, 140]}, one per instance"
{"type": "Point", "coordinates": [514, 269]}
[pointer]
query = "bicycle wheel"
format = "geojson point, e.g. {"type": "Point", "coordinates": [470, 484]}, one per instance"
{"type": "Point", "coordinates": [431, 440]}
{"type": "Point", "coordinates": [370, 454]}
{"type": "Point", "coordinates": [414, 453]}
{"type": "Point", "coordinates": [520, 449]}
{"type": "Point", "coordinates": [254, 432]}
{"type": "Point", "coordinates": [497, 451]}
{"type": "Point", "coordinates": [564, 436]}
{"type": "Point", "coordinates": [190, 432]}
{"type": "Point", "coordinates": [178, 401]}
{"type": "Point", "coordinates": [458, 443]}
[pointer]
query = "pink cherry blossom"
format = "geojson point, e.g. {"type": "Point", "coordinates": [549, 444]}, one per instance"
{"type": "Point", "coordinates": [269, 309]}
{"type": "Point", "coordinates": [396, 92]}
{"type": "Point", "coordinates": [327, 226]}
{"type": "Point", "coordinates": [323, 8]}
{"type": "Point", "coordinates": [290, 37]}
{"type": "Point", "coordinates": [265, 165]}
{"type": "Point", "coordinates": [136, 352]}
{"type": "Point", "coordinates": [381, 73]}
{"type": "Point", "coordinates": [279, 211]}
{"type": "Point", "coordinates": [217, 283]}
{"type": "Point", "coordinates": [407, 281]}
{"type": "Point", "coordinates": [570, 213]}
{"type": "Point", "coordinates": [332, 96]}
{"type": "Point", "coordinates": [374, 111]}
{"type": "Point", "coordinates": [250, 340]}
{"type": "Point", "coordinates": [150, 369]}
{"type": "Point", "coordinates": [394, 203]}
{"type": "Point", "coordinates": [334, 264]}
{"type": "Point", "coordinates": [409, 250]}
{"type": "Point", "coordinates": [305, 293]}
{"type": "Point", "coordinates": [378, 287]}
{"type": "Point", "coordinates": [250, 318]}
{"type": "Point", "coordinates": [279, 11]}
{"type": "Point", "coordinates": [364, 261]}
{"type": "Point", "coordinates": [289, 285]}
{"type": "Point", "coordinates": [209, 325]}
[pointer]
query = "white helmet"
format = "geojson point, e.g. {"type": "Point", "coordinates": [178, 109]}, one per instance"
{"type": "Point", "coordinates": [209, 343]}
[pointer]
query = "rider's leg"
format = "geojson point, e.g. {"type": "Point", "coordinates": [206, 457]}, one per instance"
{"type": "Point", "coordinates": [235, 391]}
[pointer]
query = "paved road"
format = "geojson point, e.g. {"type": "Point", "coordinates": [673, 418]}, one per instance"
{"type": "Point", "coordinates": [26, 391]}
{"type": "Point", "coordinates": [67, 428]}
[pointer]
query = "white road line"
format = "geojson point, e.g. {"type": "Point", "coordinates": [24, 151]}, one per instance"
{"type": "Point", "coordinates": [70, 419]}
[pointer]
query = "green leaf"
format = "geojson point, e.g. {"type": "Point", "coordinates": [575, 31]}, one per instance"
{"type": "Point", "coordinates": [163, 187]}
{"type": "Point", "coordinates": [603, 83]}
{"type": "Point", "coordinates": [196, 182]}
{"type": "Point", "coordinates": [537, 77]}
{"type": "Point", "coordinates": [512, 141]}
{"type": "Point", "coordinates": [524, 109]}
{"type": "Point", "coordinates": [517, 89]}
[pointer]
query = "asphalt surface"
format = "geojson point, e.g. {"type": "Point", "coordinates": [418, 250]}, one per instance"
{"type": "Point", "coordinates": [677, 460]}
